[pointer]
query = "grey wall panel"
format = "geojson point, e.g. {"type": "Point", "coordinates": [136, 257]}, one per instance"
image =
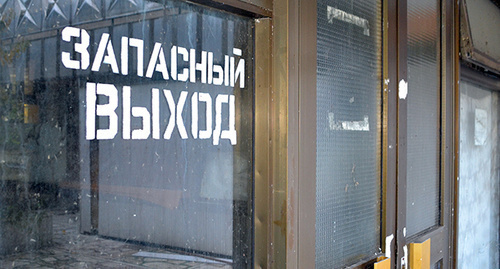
{"type": "Point", "coordinates": [478, 221]}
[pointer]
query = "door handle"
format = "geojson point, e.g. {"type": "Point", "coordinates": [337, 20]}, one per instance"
{"type": "Point", "coordinates": [420, 255]}
{"type": "Point", "coordinates": [382, 263]}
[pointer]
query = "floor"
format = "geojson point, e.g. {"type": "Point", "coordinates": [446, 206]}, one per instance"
{"type": "Point", "coordinates": [70, 249]}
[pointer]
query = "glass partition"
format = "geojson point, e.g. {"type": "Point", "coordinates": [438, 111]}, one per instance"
{"type": "Point", "coordinates": [127, 133]}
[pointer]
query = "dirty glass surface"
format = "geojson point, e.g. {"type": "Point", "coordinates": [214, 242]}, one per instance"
{"type": "Point", "coordinates": [478, 231]}
{"type": "Point", "coordinates": [126, 135]}
{"type": "Point", "coordinates": [348, 149]}
{"type": "Point", "coordinates": [423, 175]}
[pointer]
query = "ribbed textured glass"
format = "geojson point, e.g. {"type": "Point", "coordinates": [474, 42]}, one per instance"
{"type": "Point", "coordinates": [423, 116]}
{"type": "Point", "coordinates": [348, 132]}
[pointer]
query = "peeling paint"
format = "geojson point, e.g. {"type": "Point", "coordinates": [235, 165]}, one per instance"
{"type": "Point", "coordinates": [338, 125]}
{"type": "Point", "coordinates": [404, 259]}
{"type": "Point", "coordinates": [403, 89]}
{"type": "Point", "coordinates": [337, 14]}
{"type": "Point", "coordinates": [388, 241]}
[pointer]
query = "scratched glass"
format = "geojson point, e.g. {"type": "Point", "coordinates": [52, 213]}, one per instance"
{"type": "Point", "coordinates": [126, 135]}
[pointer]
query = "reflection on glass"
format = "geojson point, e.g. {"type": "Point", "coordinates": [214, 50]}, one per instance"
{"type": "Point", "coordinates": [128, 140]}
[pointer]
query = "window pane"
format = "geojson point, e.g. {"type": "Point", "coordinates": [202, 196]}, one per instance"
{"type": "Point", "coordinates": [348, 132]}
{"type": "Point", "coordinates": [423, 116]}
{"type": "Point", "coordinates": [438, 265]}
{"type": "Point", "coordinates": [129, 138]}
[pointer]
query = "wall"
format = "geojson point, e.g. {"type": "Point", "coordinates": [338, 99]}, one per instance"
{"type": "Point", "coordinates": [478, 225]}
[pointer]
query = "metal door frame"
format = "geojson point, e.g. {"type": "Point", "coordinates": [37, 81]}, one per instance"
{"type": "Point", "coordinates": [302, 64]}
{"type": "Point", "coordinates": [441, 236]}
{"type": "Point", "coordinates": [302, 116]}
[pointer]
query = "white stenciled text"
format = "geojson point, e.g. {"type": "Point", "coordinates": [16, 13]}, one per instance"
{"type": "Point", "coordinates": [151, 119]}
{"type": "Point", "coordinates": [229, 72]}
{"type": "Point", "coordinates": [170, 63]}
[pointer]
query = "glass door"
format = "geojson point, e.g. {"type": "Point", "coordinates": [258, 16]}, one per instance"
{"type": "Point", "coordinates": [348, 139]}
{"type": "Point", "coordinates": [425, 108]}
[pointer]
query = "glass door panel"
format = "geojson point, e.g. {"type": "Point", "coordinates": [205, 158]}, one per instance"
{"type": "Point", "coordinates": [424, 117]}
{"type": "Point", "coordinates": [348, 150]}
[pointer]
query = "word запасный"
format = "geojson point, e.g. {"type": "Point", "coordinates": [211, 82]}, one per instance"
{"type": "Point", "coordinates": [225, 74]}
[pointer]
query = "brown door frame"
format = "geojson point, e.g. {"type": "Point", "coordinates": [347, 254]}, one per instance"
{"type": "Point", "coordinates": [302, 64]}
{"type": "Point", "coordinates": [301, 219]}
{"type": "Point", "coordinates": [301, 157]}
{"type": "Point", "coordinates": [390, 128]}
{"type": "Point", "coordinates": [441, 236]}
